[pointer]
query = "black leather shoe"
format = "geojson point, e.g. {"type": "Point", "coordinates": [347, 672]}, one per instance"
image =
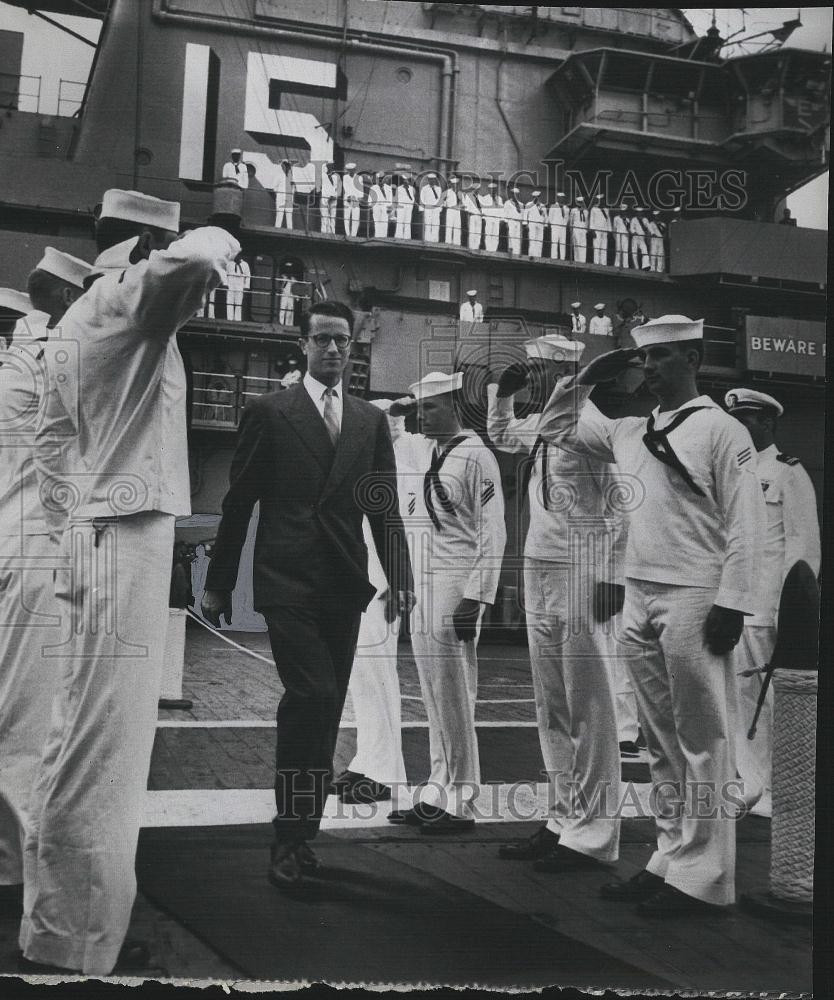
{"type": "Point", "coordinates": [308, 860]}
{"type": "Point", "coordinates": [284, 866]}
{"type": "Point", "coordinates": [415, 817]}
{"type": "Point", "coordinates": [365, 790]}
{"type": "Point", "coordinates": [671, 902]}
{"type": "Point", "coordinates": [563, 859]}
{"type": "Point", "coordinates": [345, 781]}
{"type": "Point", "coordinates": [446, 823]}
{"type": "Point", "coordinates": [530, 848]}
{"type": "Point", "coordinates": [134, 958]}
{"type": "Point", "coordinates": [641, 886]}
{"type": "Point", "coordinates": [628, 748]}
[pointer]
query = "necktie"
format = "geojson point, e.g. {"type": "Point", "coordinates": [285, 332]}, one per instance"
{"type": "Point", "coordinates": [658, 444]}
{"type": "Point", "coordinates": [540, 445]}
{"type": "Point", "coordinates": [331, 419]}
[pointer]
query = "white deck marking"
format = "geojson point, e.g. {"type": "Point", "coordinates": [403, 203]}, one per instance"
{"type": "Point", "coordinates": [525, 801]}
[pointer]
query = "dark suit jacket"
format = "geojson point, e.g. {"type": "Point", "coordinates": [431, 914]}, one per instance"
{"type": "Point", "coordinates": [312, 500]}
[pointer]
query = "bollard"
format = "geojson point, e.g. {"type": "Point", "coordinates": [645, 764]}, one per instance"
{"type": "Point", "coordinates": [790, 895]}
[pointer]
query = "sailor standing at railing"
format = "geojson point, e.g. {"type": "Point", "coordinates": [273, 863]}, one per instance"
{"type": "Point", "coordinates": [492, 209]}
{"type": "Point", "coordinates": [235, 170]}
{"type": "Point", "coordinates": [474, 219]}
{"type": "Point", "coordinates": [451, 202]}
{"type": "Point", "coordinates": [579, 230]}
{"type": "Point", "coordinates": [600, 226]}
{"type": "Point", "coordinates": [431, 200]}
{"type": "Point", "coordinates": [284, 189]}
{"type": "Point", "coordinates": [558, 216]}
{"type": "Point", "coordinates": [238, 281]}
{"type": "Point", "coordinates": [406, 197]}
{"type": "Point", "coordinates": [514, 213]}
{"type": "Point", "coordinates": [381, 200]}
{"type": "Point", "coordinates": [353, 188]}
{"type": "Point", "coordinates": [534, 218]}
{"type": "Point", "coordinates": [331, 191]}
{"type": "Point", "coordinates": [621, 225]}
{"type": "Point", "coordinates": [639, 249]}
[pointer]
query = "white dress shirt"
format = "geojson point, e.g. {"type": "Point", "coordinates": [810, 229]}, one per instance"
{"type": "Point", "coordinates": [316, 391]}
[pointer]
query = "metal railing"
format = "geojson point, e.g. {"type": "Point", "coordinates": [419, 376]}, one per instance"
{"type": "Point", "coordinates": [68, 104]}
{"type": "Point", "coordinates": [13, 95]}
{"type": "Point", "coordinates": [219, 398]}
{"type": "Point", "coordinates": [273, 302]}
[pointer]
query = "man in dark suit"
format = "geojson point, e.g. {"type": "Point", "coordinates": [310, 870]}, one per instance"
{"type": "Point", "coordinates": [317, 460]}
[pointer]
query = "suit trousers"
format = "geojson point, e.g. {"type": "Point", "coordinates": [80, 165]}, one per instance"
{"type": "Point", "coordinates": [313, 647]}
{"type": "Point", "coordinates": [754, 756]}
{"type": "Point", "coordinates": [448, 672]}
{"type": "Point", "coordinates": [375, 694]}
{"type": "Point", "coordinates": [28, 681]}
{"type": "Point", "coordinates": [80, 851]}
{"type": "Point", "coordinates": [687, 701]}
{"type": "Point", "coordinates": [571, 656]}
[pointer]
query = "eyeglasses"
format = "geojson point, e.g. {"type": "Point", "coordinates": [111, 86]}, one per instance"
{"type": "Point", "coordinates": [341, 340]}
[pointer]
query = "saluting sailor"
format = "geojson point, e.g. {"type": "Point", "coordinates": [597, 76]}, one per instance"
{"type": "Point", "coordinates": [535, 216]}
{"type": "Point", "coordinates": [572, 557]}
{"type": "Point", "coordinates": [792, 533]}
{"type": "Point", "coordinates": [691, 568]}
{"type": "Point", "coordinates": [124, 405]}
{"type": "Point", "coordinates": [456, 578]}
{"type": "Point", "coordinates": [28, 680]}
{"type": "Point", "coordinates": [559, 216]}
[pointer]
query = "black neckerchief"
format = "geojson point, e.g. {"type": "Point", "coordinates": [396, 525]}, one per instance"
{"type": "Point", "coordinates": [432, 484]}
{"type": "Point", "coordinates": [658, 444]}
{"type": "Point", "coordinates": [527, 473]}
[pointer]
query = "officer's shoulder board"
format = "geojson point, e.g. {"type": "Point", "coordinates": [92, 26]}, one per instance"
{"type": "Point", "coordinates": [787, 459]}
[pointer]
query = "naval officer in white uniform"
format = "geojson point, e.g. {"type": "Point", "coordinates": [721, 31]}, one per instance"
{"type": "Point", "coordinates": [28, 557]}
{"type": "Point", "coordinates": [456, 577]}
{"type": "Point", "coordinates": [692, 562]}
{"type": "Point", "coordinates": [125, 403]}
{"type": "Point", "coordinates": [574, 543]}
{"type": "Point", "coordinates": [558, 216]}
{"type": "Point", "coordinates": [792, 533]}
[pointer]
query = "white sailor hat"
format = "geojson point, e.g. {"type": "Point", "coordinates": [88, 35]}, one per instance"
{"type": "Point", "coordinates": [436, 384]}
{"type": "Point", "coordinates": [668, 330]}
{"type": "Point", "coordinates": [579, 198]}
{"type": "Point", "coordinates": [14, 301]}
{"type": "Point", "coordinates": [623, 207]}
{"type": "Point", "coordinates": [453, 179]}
{"type": "Point", "coordinates": [379, 173]}
{"type": "Point", "coordinates": [71, 269]}
{"type": "Point", "coordinates": [638, 208]}
{"type": "Point", "coordinates": [599, 305]}
{"type": "Point", "coordinates": [516, 190]}
{"type": "Point", "coordinates": [236, 149]}
{"type": "Point", "coordinates": [472, 291]}
{"type": "Point", "coordinates": [432, 177]}
{"type": "Point", "coordinates": [536, 194]}
{"type": "Point", "coordinates": [134, 206]}
{"type": "Point", "coordinates": [751, 399]}
{"type": "Point", "coordinates": [382, 404]}
{"type": "Point", "coordinates": [575, 305]}
{"type": "Point", "coordinates": [599, 197]}
{"type": "Point", "coordinates": [560, 194]}
{"type": "Point", "coordinates": [493, 184]}
{"type": "Point", "coordinates": [554, 347]}
{"type": "Point", "coordinates": [348, 166]}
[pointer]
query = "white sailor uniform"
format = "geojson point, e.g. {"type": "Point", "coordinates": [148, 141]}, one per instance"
{"type": "Point", "coordinates": [514, 214]}
{"type": "Point", "coordinates": [353, 193]}
{"type": "Point", "coordinates": [405, 210]}
{"type": "Point", "coordinates": [600, 226]}
{"type": "Point", "coordinates": [558, 216]}
{"type": "Point", "coordinates": [28, 558]}
{"type": "Point", "coordinates": [125, 403]}
{"type": "Point", "coordinates": [331, 190]}
{"type": "Point", "coordinates": [639, 250]}
{"type": "Point", "coordinates": [492, 209]}
{"type": "Point", "coordinates": [283, 189]}
{"type": "Point", "coordinates": [431, 201]}
{"type": "Point", "coordinates": [457, 552]}
{"type": "Point", "coordinates": [238, 280]}
{"type": "Point", "coordinates": [535, 217]}
{"type": "Point", "coordinates": [381, 199]}
{"type": "Point", "coordinates": [579, 233]}
{"type": "Point", "coordinates": [236, 172]}
{"type": "Point", "coordinates": [687, 551]}
{"type": "Point", "coordinates": [792, 533]}
{"type": "Point", "coordinates": [570, 547]}
{"type": "Point", "coordinates": [621, 240]}
{"type": "Point", "coordinates": [475, 222]}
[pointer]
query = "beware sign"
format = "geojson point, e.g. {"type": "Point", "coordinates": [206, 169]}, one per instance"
{"type": "Point", "coordinates": [780, 344]}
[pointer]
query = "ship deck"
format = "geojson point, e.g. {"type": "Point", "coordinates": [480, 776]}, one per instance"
{"type": "Point", "coordinates": [394, 905]}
